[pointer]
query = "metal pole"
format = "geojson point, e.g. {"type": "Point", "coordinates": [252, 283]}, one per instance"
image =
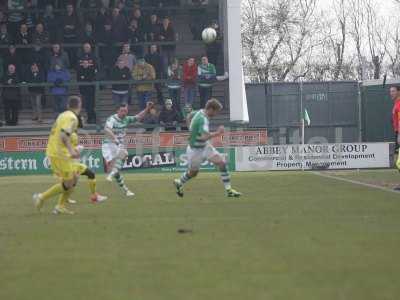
{"type": "Point", "coordinates": [302, 124]}
{"type": "Point", "coordinates": [360, 117]}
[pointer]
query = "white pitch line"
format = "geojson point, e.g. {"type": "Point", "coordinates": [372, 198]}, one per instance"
{"type": "Point", "coordinates": [372, 186]}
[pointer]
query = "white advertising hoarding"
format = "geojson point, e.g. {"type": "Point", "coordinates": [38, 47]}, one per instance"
{"type": "Point", "coordinates": [313, 157]}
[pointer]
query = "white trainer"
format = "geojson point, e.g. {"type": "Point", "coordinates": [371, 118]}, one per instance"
{"type": "Point", "coordinates": [128, 193]}
{"type": "Point", "coordinates": [37, 201]}
{"type": "Point", "coordinates": [110, 177]}
{"type": "Point", "coordinates": [97, 198]}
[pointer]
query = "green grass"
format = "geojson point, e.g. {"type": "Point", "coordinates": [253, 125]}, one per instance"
{"type": "Point", "coordinates": [384, 178]}
{"type": "Point", "coordinates": [293, 236]}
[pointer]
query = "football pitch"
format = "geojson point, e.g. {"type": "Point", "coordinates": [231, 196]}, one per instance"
{"type": "Point", "coordinates": [291, 236]}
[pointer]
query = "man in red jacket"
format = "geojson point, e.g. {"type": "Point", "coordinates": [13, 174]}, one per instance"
{"type": "Point", "coordinates": [189, 80]}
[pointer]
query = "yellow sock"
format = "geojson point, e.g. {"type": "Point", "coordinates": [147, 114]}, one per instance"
{"type": "Point", "coordinates": [92, 186]}
{"type": "Point", "coordinates": [53, 191]}
{"type": "Point", "coordinates": [398, 162]}
{"type": "Point", "coordinates": [64, 197]}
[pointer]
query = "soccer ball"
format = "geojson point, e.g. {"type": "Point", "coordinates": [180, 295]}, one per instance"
{"type": "Point", "coordinates": [209, 35]}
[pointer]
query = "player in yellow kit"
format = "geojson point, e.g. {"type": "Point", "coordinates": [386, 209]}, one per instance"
{"type": "Point", "coordinates": [82, 169]}
{"type": "Point", "coordinates": [63, 157]}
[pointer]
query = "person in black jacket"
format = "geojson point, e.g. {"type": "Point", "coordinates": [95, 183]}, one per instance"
{"type": "Point", "coordinates": [104, 35]}
{"type": "Point", "coordinates": [135, 36]}
{"type": "Point", "coordinates": [11, 58]}
{"type": "Point", "coordinates": [153, 29]}
{"type": "Point", "coordinates": [36, 75]}
{"type": "Point", "coordinates": [88, 35]}
{"type": "Point", "coordinates": [169, 116]}
{"type": "Point", "coordinates": [167, 34]}
{"type": "Point", "coordinates": [11, 96]}
{"type": "Point", "coordinates": [120, 92]}
{"type": "Point", "coordinates": [155, 59]}
{"type": "Point", "coordinates": [86, 72]}
{"type": "Point", "coordinates": [23, 38]}
{"type": "Point", "coordinates": [5, 38]}
{"type": "Point", "coordinates": [70, 31]}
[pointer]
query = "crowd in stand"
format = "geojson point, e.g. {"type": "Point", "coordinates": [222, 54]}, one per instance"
{"type": "Point", "coordinates": [104, 24]}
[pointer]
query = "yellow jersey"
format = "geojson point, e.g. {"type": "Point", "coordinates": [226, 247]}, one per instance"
{"type": "Point", "coordinates": [66, 122]}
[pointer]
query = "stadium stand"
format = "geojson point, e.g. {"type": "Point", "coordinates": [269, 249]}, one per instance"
{"type": "Point", "coordinates": [29, 35]}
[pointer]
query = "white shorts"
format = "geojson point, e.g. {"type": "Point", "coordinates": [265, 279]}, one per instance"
{"type": "Point", "coordinates": [198, 156]}
{"type": "Point", "coordinates": [111, 151]}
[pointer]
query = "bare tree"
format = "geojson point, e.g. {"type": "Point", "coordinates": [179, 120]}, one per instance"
{"type": "Point", "coordinates": [288, 39]}
{"type": "Point", "coordinates": [377, 37]}
{"type": "Point", "coordinates": [392, 49]}
{"type": "Point", "coordinates": [357, 20]}
{"type": "Point", "coordinates": [277, 34]}
{"type": "Point", "coordinates": [338, 42]}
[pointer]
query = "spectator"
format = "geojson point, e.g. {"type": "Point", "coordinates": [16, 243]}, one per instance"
{"type": "Point", "coordinates": [169, 117]}
{"type": "Point", "coordinates": [91, 6]}
{"type": "Point", "coordinates": [12, 58]}
{"type": "Point", "coordinates": [127, 57]}
{"type": "Point", "coordinates": [39, 56]}
{"type": "Point", "coordinates": [144, 71]}
{"type": "Point", "coordinates": [101, 19]}
{"type": "Point", "coordinates": [88, 55]}
{"type": "Point", "coordinates": [137, 15]}
{"type": "Point", "coordinates": [167, 34]}
{"type": "Point", "coordinates": [70, 32]}
{"type": "Point", "coordinates": [50, 22]}
{"type": "Point", "coordinates": [123, 9]}
{"type": "Point", "coordinates": [40, 36]}
{"type": "Point", "coordinates": [155, 59]}
{"type": "Point", "coordinates": [120, 92]}
{"type": "Point", "coordinates": [189, 80]}
{"type": "Point", "coordinates": [174, 84]}
{"type": "Point", "coordinates": [135, 35]}
{"type": "Point", "coordinates": [187, 110]}
{"type": "Point", "coordinates": [36, 75]}
{"type": "Point", "coordinates": [152, 118]}
{"type": "Point", "coordinates": [198, 18]}
{"type": "Point", "coordinates": [5, 39]}
{"type": "Point", "coordinates": [88, 35]}
{"type": "Point", "coordinates": [23, 38]}
{"type": "Point", "coordinates": [59, 75]}
{"type": "Point", "coordinates": [153, 29]}
{"type": "Point", "coordinates": [3, 17]}
{"type": "Point", "coordinates": [11, 96]}
{"type": "Point", "coordinates": [207, 76]}
{"type": "Point", "coordinates": [119, 25]}
{"type": "Point", "coordinates": [58, 57]}
{"type": "Point", "coordinates": [105, 36]}
{"type": "Point", "coordinates": [29, 17]}
{"type": "Point", "coordinates": [86, 72]}
{"type": "Point", "coordinates": [15, 18]}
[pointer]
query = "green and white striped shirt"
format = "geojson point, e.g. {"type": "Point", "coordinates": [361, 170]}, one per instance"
{"type": "Point", "coordinates": [198, 126]}
{"type": "Point", "coordinates": [118, 127]}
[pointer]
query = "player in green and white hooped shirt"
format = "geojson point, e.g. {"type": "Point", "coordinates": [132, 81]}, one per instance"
{"type": "Point", "coordinates": [114, 148]}
{"type": "Point", "coordinates": [200, 148]}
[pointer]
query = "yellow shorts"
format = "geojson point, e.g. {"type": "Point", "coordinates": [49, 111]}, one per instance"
{"type": "Point", "coordinates": [79, 168]}
{"type": "Point", "coordinates": [63, 168]}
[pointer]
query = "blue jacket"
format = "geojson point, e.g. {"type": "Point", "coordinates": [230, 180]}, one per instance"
{"type": "Point", "coordinates": [58, 78]}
